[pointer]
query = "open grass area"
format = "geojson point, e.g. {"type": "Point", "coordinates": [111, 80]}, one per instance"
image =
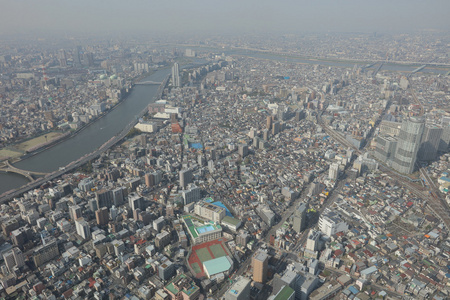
{"type": "Point", "coordinates": [6, 153]}
{"type": "Point", "coordinates": [203, 254]}
{"type": "Point", "coordinates": [24, 146]}
{"type": "Point", "coordinates": [217, 250]}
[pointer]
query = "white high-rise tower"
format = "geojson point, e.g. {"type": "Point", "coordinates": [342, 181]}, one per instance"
{"type": "Point", "coordinates": [175, 75]}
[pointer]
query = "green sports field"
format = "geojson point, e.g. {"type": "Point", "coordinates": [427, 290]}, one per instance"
{"type": "Point", "coordinates": [203, 254]}
{"type": "Point", "coordinates": [217, 250]}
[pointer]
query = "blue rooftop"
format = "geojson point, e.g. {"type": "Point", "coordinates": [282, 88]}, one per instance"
{"type": "Point", "coordinates": [220, 204]}
{"type": "Point", "coordinates": [353, 290]}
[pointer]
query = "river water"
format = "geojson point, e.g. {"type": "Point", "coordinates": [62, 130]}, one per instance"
{"type": "Point", "coordinates": [103, 129]}
{"type": "Point", "coordinates": [90, 138]}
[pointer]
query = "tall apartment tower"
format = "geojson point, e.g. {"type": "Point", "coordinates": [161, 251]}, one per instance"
{"type": "Point", "coordinates": [260, 264]}
{"type": "Point", "coordinates": [334, 171]}
{"type": "Point", "coordinates": [62, 57]}
{"type": "Point", "coordinates": [18, 257]}
{"type": "Point", "coordinates": [83, 228]}
{"type": "Point", "coordinates": [135, 201]}
{"type": "Point", "coordinates": [408, 145]}
{"type": "Point", "coordinates": [445, 138]}
{"type": "Point", "coordinates": [75, 212]}
{"type": "Point", "coordinates": [9, 259]}
{"type": "Point", "coordinates": [185, 177]}
{"type": "Point", "coordinates": [102, 216]}
{"type": "Point", "coordinates": [243, 150]}
{"type": "Point", "coordinates": [300, 218]}
{"type": "Point", "coordinates": [429, 146]}
{"type": "Point", "coordinates": [104, 198]}
{"type": "Point", "coordinates": [46, 252]}
{"type": "Point", "coordinates": [269, 123]}
{"type": "Point", "coordinates": [76, 56]}
{"type": "Point", "coordinates": [175, 75]}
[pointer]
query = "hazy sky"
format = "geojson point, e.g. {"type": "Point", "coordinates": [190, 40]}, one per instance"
{"type": "Point", "coordinates": [224, 16]}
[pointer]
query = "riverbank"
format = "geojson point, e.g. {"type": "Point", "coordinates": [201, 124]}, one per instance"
{"type": "Point", "coordinates": [312, 59]}
{"type": "Point", "coordinates": [71, 134]}
{"type": "Point", "coordinates": [73, 165]}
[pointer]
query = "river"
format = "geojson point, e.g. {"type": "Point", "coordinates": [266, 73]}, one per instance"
{"type": "Point", "coordinates": [90, 138]}
{"type": "Point", "coordinates": [387, 66]}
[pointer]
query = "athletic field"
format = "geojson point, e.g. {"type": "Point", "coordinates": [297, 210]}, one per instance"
{"type": "Point", "coordinates": [204, 252]}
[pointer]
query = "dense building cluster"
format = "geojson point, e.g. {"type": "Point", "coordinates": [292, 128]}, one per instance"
{"type": "Point", "coordinates": [249, 179]}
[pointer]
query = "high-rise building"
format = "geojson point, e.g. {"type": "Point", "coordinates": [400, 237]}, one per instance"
{"type": "Point", "coordinates": [243, 150]}
{"type": "Point", "coordinates": [149, 181]}
{"type": "Point", "coordinates": [104, 198]}
{"type": "Point", "coordinates": [190, 53]}
{"type": "Point", "coordinates": [113, 213]}
{"type": "Point", "coordinates": [88, 59]}
{"type": "Point", "coordinates": [83, 228]}
{"type": "Point", "coordinates": [185, 177]}
{"type": "Point", "coordinates": [102, 216]}
{"type": "Point", "coordinates": [62, 57]}
{"type": "Point", "coordinates": [46, 252]}
{"type": "Point", "coordinates": [265, 135]}
{"type": "Point", "coordinates": [334, 171]}
{"type": "Point", "coordinates": [408, 145]}
{"type": "Point", "coordinates": [201, 160]}
{"type": "Point", "coordinates": [10, 262]}
{"type": "Point", "coordinates": [21, 236]}
{"type": "Point", "coordinates": [269, 122]}
{"type": "Point", "coordinates": [135, 201]}
{"type": "Point", "coordinates": [385, 148]}
{"type": "Point", "coordinates": [240, 290]}
{"type": "Point", "coordinates": [75, 212]}
{"type": "Point", "coordinates": [118, 196]}
{"type": "Point", "coordinates": [429, 146]}
{"type": "Point", "coordinates": [445, 138]}
{"type": "Point", "coordinates": [260, 263]}
{"type": "Point", "coordinates": [191, 195]}
{"type": "Point", "coordinates": [331, 223]}
{"type": "Point", "coordinates": [276, 128]}
{"type": "Point", "coordinates": [18, 257]}
{"type": "Point", "coordinates": [175, 75]}
{"type": "Point", "coordinates": [299, 218]}
{"type": "Point", "coordinates": [76, 57]}
{"type": "Point", "coordinates": [210, 211]}
{"type": "Point", "coordinates": [312, 243]}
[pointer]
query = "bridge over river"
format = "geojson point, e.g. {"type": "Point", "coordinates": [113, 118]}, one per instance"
{"type": "Point", "coordinates": [148, 83]}
{"type": "Point", "coordinates": [8, 167]}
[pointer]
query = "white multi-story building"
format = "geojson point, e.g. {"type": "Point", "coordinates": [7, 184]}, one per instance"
{"type": "Point", "coordinates": [334, 171]}
{"type": "Point", "coordinates": [147, 126]}
{"type": "Point", "coordinates": [191, 195]}
{"type": "Point", "coordinates": [201, 232]}
{"type": "Point", "coordinates": [83, 228]}
{"type": "Point", "coordinates": [331, 223]}
{"type": "Point", "coordinates": [209, 211]}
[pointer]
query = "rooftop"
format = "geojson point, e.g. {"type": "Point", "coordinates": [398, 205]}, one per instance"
{"type": "Point", "coordinates": [284, 293]}
{"type": "Point", "coordinates": [197, 226]}
{"type": "Point", "coordinates": [182, 283]}
{"type": "Point", "coordinates": [230, 220]}
{"type": "Point", "coordinates": [217, 265]}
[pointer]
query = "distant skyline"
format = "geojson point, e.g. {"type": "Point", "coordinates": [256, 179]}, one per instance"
{"type": "Point", "coordinates": [177, 17]}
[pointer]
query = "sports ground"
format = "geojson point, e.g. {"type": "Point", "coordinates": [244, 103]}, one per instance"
{"type": "Point", "coordinates": [204, 252]}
